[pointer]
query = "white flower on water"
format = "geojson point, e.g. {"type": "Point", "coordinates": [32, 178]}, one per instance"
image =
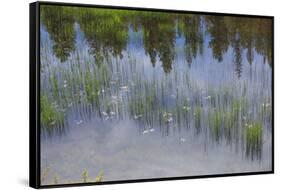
{"type": "Point", "coordinates": [151, 130]}
{"type": "Point", "coordinates": [124, 88]}
{"type": "Point", "coordinates": [65, 85]}
{"type": "Point", "coordinates": [53, 123]}
{"type": "Point", "coordinates": [116, 99]}
{"type": "Point", "coordinates": [55, 105]}
{"type": "Point", "coordinates": [104, 113]}
{"type": "Point", "coordinates": [112, 113]}
{"type": "Point", "coordinates": [78, 122]}
{"type": "Point", "coordinates": [137, 116]}
{"type": "Point", "coordinates": [267, 105]}
{"type": "Point", "coordinates": [145, 132]}
{"type": "Point", "coordinates": [207, 98]}
{"type": "Point", "coordinates": [186, 108]}
{"type": "Point", "coordinates": [182, 139]}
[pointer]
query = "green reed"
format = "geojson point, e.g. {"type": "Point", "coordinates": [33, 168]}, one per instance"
{"type": "Point", "coordinates": [50, 117]}
{"type": "Point", "coordinates": [254, 138]}
{"type": "Point", "coordinates": [215, 123]}
{"type": "Point", "coordinates": [197, 118]}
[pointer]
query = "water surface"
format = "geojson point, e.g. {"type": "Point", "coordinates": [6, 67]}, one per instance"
{"type": "Point", "coordinates": [137, 95]}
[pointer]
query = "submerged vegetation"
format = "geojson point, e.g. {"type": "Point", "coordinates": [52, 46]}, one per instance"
{"type": "Point", "coordinates": [94, 67]}
{"type": "Point", "coordinates": [85, 177]}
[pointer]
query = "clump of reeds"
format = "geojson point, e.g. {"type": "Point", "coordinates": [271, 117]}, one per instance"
{"type": "Point", "coordinates": [99, 176]}
{"type": "Point", "coordinates": [85, 176]}
{"type": "Point", "coordinates": [197, 118]}
{"type": "Point", "coordinates": [254, 133]}
{"type": "Point", "coordinates": [50, 117]}
{"type": "Point", "coordinates": [228, 123]}
{"type": "Point", "coordinates": [216, 118]}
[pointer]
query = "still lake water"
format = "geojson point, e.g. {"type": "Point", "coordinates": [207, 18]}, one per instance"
{"type": "Point", "coordinates": [153, 97]}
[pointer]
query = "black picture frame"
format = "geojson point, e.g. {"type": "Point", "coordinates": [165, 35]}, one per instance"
{"type": "Point", "coordinates": [34, 94]}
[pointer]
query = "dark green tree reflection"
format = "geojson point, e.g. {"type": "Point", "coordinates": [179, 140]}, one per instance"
{"type": "Point", "coordinates": [190, 27]}
{"type": "Point", "coordinates": [59, 23]}
{"type": "Point", "coordinates": [218, 31]}
{"type": "Point", "coordinates": [107, 33]}
{"type": "Point", "coordinates": [159, 36]}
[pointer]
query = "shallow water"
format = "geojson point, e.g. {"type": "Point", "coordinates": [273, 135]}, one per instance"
{"type": "Point", "coordinates": [122, 153]}
{"type": "Point", "coordinates": [186, 95]}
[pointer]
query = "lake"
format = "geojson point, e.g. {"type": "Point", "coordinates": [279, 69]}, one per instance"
{"type": "Point", "coordinates": [138, 94]}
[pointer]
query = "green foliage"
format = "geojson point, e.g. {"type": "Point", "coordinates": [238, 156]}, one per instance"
{"type": "Point", "coordinates": [254, 133]}
{"type": "Point", "coordinates": [59, 22]}
{"type": "Point", "coordinates": [55, 86]}
{"type": "Point", "coordinates": [49, 116]}
{"type": "Point", "coordinates": [216, 119]}
{"type": "Point", "coordinates": [92, 88]}
{"type": "Point", "coordinates": [85, 176]}
{"type": "Point", "coordinates": [100, 176]}
{"type": "Point", "coordinates": [197, 118]}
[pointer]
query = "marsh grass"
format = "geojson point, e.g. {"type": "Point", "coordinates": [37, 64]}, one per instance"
{"type": "Point", "coordinates": [197, 118]}
{"type": "Point", "coordinates": [50, 117]}
{"type": "Point", "coordinates": [254, 132]}
{"type": "Point", "coordinates": [215, 123]}
{"type": "Point", "coordinates": [85, 176]}
{"type": "Point", "coordinates": [99, 177]}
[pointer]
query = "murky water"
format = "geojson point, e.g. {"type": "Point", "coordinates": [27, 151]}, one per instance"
{"type": "Point", "coordinates": [136, 95]}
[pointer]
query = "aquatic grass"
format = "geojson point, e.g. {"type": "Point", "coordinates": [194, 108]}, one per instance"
{"type": "Point", "coordinates": [92, 89]}
{"type": "Point", "coordinates": [186, 112]}
{"type": "Point", "coordinates": [50, 117]}
{"type": "Point", "coordinates": [265, 111]}
{"type": "Point", "coordinates": [229, 125]}
{"type": "Point", "coordinates": [254, 132]}
{"type": "Point", "coordinates": [54, 82]}
{"type": "Point", "coordinates": [217, 122]}
{"type": "Point", "coordinates": [197, 118]}
{"type": "Point", "coordinates": [85, 176]}
{"type": "Point", "coordinates": [99, 176]}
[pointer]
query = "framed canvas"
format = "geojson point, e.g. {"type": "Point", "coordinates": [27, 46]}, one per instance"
{"type": "Point", "coordinates": [120, 94]}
